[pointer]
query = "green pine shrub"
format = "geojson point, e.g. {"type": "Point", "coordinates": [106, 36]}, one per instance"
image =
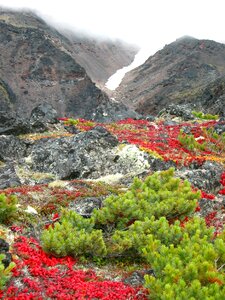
{"type": "Point", "coordinates": [191, 267]}
{"type": "Point", "coordinates": [5, 272]}
{"type": "Point", "coordinates": [7, 208]}
{"type": "Point", "coordinates": [74, 236]}
{"type": "Point", "coordinates": [202, 116]}
{"type": "Point", "coordinates": [188, 141]}
{"type": "Point", "coordinates": [159, 195]}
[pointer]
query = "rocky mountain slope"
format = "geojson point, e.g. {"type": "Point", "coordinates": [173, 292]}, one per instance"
{"type": "Point", "coordinates": [185, 71]}
{"type": "Point", "coordinates": [100, 58]}
{"type": "Point", "coordinates": [38, 64]}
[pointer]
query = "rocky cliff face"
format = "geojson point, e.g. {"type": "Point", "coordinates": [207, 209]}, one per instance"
{"type": "Point", "coordinates": [185, 71]}
{"type": "Point", "coordinates": [37, 64]}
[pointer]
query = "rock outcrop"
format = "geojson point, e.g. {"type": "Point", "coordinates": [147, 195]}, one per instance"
{"type": "Point", "coordinates": [91, 154]}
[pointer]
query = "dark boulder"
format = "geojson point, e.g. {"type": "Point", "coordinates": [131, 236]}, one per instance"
{"type": "Point", "coordinates": [74, 157]}
{"type": "Point", "coordinates": [4, 248]}
{"type": "Point", "coordinates": [183, 111]}
{"type": "Point", "coordinates": [207, 177]}
{"type": "Point", "coordinates": [92, 154]}
{"type": "Point", "coordinates": [11, 148]}
{"type": "Point", "coordinates": [8, 177]}
{"type": "Point", "coordinates": [160, 165]}
{"type": "Point", "coordinates": [85, 206]}
{"type": "Point", "coordinates": [11, 123]}
{"type": "Point", "coordinates": [42, 115]}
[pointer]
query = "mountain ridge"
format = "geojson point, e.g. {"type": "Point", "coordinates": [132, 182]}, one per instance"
{"type": "Point", "coordinates": [179, 73]}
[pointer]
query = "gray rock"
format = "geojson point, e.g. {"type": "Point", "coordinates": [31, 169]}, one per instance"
{"type": "Point", "coordinates": [207, 177]}
{"type": "Point", "coordinates": [44, 113]}
{"type": "Point", "coordinates": [160, 165]}
{"type": "Point", "coordinates": [183, 111]}
{"type": "Point", "coordinates": [11, 148]}
{"type": "Point", "coordinates": [220, 126]}
{"type": "Point", "coordinates": [137, 277]}
{"type": "Point", "coordinates": [74, 157]}
{"type": "Point", "coordinates": [207, 206]}
{"type": "Point", "coordinates": [85, 206]}
{"type": "Point", "coordinates": [91, 154]}
{"type": "Point", "coordinates": [10, 123]}
{"type": "Point", "coordinates": [8, 177]}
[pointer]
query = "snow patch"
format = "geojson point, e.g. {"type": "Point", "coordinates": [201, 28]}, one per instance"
{"type": "Point", "coordinates": [115, 80]}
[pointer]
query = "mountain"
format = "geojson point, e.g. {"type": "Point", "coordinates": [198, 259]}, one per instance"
{"type": "Point", "coordinates": [38, 64]}
{"type": "Point", "coordinates": [101, 58]}
{"type": "Point", "coordinates": [186, 71]}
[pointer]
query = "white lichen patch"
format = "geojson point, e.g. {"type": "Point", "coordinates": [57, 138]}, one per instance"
{"type": "Point", "coordinates": [132, 157]}
{"type": "Point", "coordinates": [31, 210]}
{"type": "Point", "coordinates": [25, 174]}
{"type": "Point", "coordinates": [58, 184]}
{"type": "Point", "coordinates": [28, 160]}
{"type": "Point", "coordinates": [110, 179]}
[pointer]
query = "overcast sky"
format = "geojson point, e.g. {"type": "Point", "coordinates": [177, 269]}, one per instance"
{"type": "Point", "coordinates": [148, 23]}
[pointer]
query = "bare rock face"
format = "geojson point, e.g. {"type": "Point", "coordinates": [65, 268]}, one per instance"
{"type": "Point", "coordinates": [37, 64]}
{"type": "Point", "coordinates": [187, 71]}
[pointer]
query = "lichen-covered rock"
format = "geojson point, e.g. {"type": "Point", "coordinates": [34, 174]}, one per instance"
{"type": "Point", "coordinates": [10, 123]}
{"type": "Point", "coordinates": [44, 113]}
{"type": "Point", "coordinates": [8, 177]}
{"type": "Point", "coordinates": [89, 154]}
{"type": "Point", "coordinates": [207, 177]}
{"type": "Point", "coordinates": [220, 126]}
{"type": "Point", "coordinates": [11, 148]}
{"type": "Point", "coordinates": [182, 111]}
{"type": "Point", "coordinates": [85, 206]}
{"type": "Point", "coordinates": [41, 117]}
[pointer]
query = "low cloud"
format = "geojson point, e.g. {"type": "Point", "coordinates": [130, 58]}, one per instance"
{"type": "Point", "coordinates": [149, 24]}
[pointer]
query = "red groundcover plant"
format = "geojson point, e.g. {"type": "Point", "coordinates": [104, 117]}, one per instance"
{"type": "Point", "coordinates": [38, 276]}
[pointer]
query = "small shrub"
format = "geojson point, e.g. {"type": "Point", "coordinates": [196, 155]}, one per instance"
{"type": "Point", "coordinates": [188, 141]}
{"type": "Point", "coordinates": [159, 195]}
{"type": "Point", "coordinates": [7, 208]}
{"type": "Point", "coordinates": [201, 115]}
{"type": "Point", "coordinates": [5, 272]}
{"type": "Point", "coordinates": [73, 236]}
{"type": "Point", "coordinates": [189, 267]}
